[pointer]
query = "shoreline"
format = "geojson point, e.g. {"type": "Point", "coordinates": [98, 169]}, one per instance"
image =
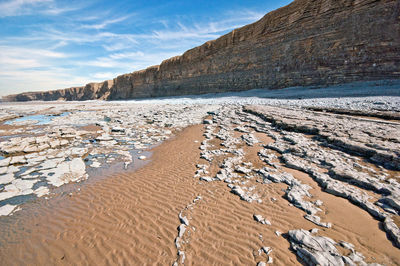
{"type": "Point", "coordinates": [132, 217]}
{"type": "Point", "coordinates": [228, 184]}
{"type": "Point", "coordinates": [49, 226]}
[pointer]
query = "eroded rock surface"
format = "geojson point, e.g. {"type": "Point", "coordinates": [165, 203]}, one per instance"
{"type": "Point", "coordinates": [271, 160]}
{"type": "Point", "coordinates": [320, 250]}
{"type": "Point", "coordinates": [44, 149]}
{"type": "Point", "coordinates": [345, 155]}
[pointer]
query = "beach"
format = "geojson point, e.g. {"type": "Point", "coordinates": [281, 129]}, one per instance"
{"type": "Point", "coordinates": [236, 179]}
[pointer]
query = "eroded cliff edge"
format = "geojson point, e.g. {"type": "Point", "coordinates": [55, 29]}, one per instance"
{"type": "Point", "coordinates": [307, 43]}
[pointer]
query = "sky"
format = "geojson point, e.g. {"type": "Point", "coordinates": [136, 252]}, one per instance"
{"type": "Point", "coordinates": [54, 44]}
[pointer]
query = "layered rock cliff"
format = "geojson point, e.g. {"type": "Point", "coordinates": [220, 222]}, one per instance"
{"type": "Point", "coordinates": [90, 91]}
{"type": "Point", "coordinates": [307, 43]}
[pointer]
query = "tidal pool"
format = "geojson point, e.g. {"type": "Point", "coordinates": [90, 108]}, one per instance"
{"type": "Point", "coordinates": [40, 119]}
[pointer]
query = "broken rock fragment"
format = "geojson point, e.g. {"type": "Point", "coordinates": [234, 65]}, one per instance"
{"type": "Point", "coordinates": [261, 219]}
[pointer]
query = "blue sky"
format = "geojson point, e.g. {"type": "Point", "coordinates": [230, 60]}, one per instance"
{"type": "Point", "coordinates": [52, 44]}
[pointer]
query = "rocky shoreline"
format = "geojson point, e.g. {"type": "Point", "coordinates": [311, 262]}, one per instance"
{"type": "Point", "coordinates": [289, 167]}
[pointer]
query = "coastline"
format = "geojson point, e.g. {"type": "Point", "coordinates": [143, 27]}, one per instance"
{"type": "Point", "coordinates": [112, 205]}
{"type": "Point", "coordinates": [132, 217]}
{"type": "Point", "coordinates": [230, 181]}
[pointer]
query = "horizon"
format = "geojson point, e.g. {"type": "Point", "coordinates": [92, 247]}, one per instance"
{"type": "Point", "coordinates": [47, 45]}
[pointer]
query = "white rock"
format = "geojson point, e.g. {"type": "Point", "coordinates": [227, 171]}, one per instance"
{"type": "Point", "coordinates": [261, 219]}
{"type": "Point", "coordinates": [18, 160]}
{"type": "Point", "coordinates": [5, 162]}
{"type": "Point", "coordinates": [318, 203]}
{"type": "Point", "coordinates": [104, 137]}
{"type": "Point", "coordinates": [12, 169]}
{"type": "Point", "coordinates": [54, 143]}
{"type": "Point", "coordinates": [77, 165]}
{"type": "Point", "coordinates": [66, 172]}
{"type": "Point", "coordinates": [182, 229]}
{"type": "Point", "coordinates": [206, 178]}
{"type": "Point", "coordinates": [95, 164]}
{"type": "Point", "coordinates": [5, 179]}
{"type": "Point", "coordinates": [267, 250]}
{"type": "Point", "coordinates": [8, 194]}
{"type": "Point", "coordinates": [50, 164]}
{"type": "Point", "coordinates": [7, 209]}
{"type": "Point", "coordinates": [3, 170]}
{"type": "Point", "coordinates": [24, 185]}
{"type": "Point", "coordinates": [41, 191]}
{"type": "Point", "coordinates": [317, 220]}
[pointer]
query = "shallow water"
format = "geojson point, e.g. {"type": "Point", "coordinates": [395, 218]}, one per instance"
{"type": "Point", "coordinates": [41, 119]}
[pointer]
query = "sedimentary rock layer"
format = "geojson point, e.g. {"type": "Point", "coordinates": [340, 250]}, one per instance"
{"type": "Point", "coordinates": [307, 43]}
{"type": "Point", "coordinates": [90, 91]}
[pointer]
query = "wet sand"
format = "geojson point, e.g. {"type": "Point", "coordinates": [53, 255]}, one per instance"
{"type": "Point", "coordinates": [129, 217]}
{"type": "Point", "coordinates": [132, 218]}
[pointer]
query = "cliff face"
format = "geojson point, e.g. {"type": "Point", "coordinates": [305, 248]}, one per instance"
{"type": "Point", "coordinates": [91, 91]}
{"type": "Point", "coordinates": [309, 42]}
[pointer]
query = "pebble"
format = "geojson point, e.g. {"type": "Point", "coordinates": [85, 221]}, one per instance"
{"type": "Point", "coordinates": [261, 219]}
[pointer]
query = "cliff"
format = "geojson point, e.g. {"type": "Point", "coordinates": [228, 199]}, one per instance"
{"type": "Point", "coordinates": [307, 43]}
{"type": "Point", "coordinates": [91, 91]}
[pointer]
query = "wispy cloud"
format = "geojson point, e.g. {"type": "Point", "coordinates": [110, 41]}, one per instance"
{"type": "Point", "coordinates": [22, 58]}
{"type": "Point", "coordinates": [104, 75]}
{"type": "Point", "coordinates": [19, 7]}
{"type": "Point", "coordinates": [29, 52]}
{"type": "Point", "coordinates": [202, 31]}
{"type": "Point", "coordinates": [129, 61]}
{"type": "Point", "coordinates": [33, 68]}
{"type": "Point", "coordinates": [94, 44]}
{"type": "Point", "coordinates": [27, 7]}
{"type": "Point", "coordinates": [59, 10]}
{"type": "Point", "coordinates": [104, 23]}
{"type": "Point", "coordinates": [39, 80]}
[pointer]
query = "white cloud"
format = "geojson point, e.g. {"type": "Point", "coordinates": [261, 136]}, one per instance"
{"type": "Point", "coordinates": [117, 46]}
{"type": "Point", "coordinates": [104, 75]}
{"type": "Point", "coordinates": [36, 63]}
{"type": "Point", "coordinates": [25, 58]}
{"type": "Point", "coordinates": [57, 10]}
{"type": "Point", "coordinates": [23, 69]}
{"type": "Point", "coordinates": [28, 7]}
{"type": "Point", "coordinates": [129, 61]}
{"type": "Point", "coordinates": [133, 55]}
{"type": "Point", "coordinates": [13, 5]}
{"type": "Point", "coordinates": [38, 80]}
{"type": "Point", "coordinates": [104, 23]}
{"type": "Point", "coordinates": [29, 52]}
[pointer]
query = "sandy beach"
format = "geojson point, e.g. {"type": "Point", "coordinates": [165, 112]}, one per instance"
{"type": "Point", "coordinates": [132, 217]}
{"type": "Point", "coordinates": [238, 185]}
{"type": "Point", "coordinates": [200, 132]}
